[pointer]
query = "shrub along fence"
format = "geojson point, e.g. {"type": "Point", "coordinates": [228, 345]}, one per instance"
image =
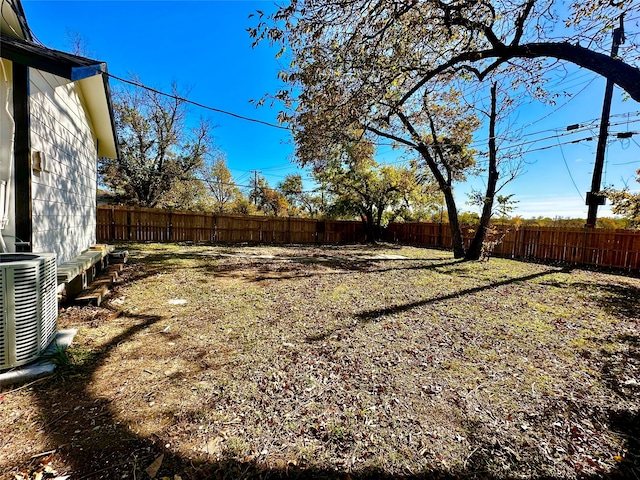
{"type": "Point", "coordinates": [597, 247]}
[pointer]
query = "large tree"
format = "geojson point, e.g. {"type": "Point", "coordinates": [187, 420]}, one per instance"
{"type": "Point", "coordinates": [386, 67]}
{"type": "Point", "coordinates": [467, 35]}
{"type": "Point", "coordinates": [359, 187]}
{"type": "Point", "coordinates": [158, 149]}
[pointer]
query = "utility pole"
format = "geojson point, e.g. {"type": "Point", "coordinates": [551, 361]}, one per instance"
{"type": "Point", "coordinates": [255, 187]}
{"type": "Point", "coordinates": [594, 197]}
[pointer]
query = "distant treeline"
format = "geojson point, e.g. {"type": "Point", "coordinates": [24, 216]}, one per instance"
{"type": "Point", "coordinates": [559, 222]}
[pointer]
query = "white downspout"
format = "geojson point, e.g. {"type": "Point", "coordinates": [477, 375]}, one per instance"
{"type": "Point", "coordinates": [5, 185]}
{"type": "Point", "coordinates": [3, 189]}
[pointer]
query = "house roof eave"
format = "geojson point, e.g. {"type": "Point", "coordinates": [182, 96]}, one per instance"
{"type": "Point", "coordinates": [58, 63]}
{"type": "Point", "coordinates": [74, 68]}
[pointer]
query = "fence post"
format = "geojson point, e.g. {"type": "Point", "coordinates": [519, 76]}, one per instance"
{"type": "Point", "coordinates": [112, 222]}
{"type": "Point", "coordinates": [128, 224]}
{"type": "Point", "coordinates": [170, 233]}
{"type": "Point", "coordinates": [584, 245]}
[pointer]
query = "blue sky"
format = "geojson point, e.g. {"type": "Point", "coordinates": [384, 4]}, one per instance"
{"type": "Point", "coordinates": [204, 45]}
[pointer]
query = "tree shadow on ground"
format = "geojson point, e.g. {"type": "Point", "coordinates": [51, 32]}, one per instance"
{"type": "Point", "coordinates": [337, 267]}
{"type": "Point", "coordinates": [457, 265]}
{"type": "Point", "coordinates": [626, 423]}
{"type": "Point", "coordinates": [280, 267]}
{"type": "Point", "coordinates": [621, 372]}
{"type": "Point", "coordinates": [372, 315]}
{"type": "Point", "coordinates": [617, 299]}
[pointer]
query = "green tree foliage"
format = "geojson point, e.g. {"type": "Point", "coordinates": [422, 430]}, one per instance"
{"type": "Point", "coordinates": [469, 218]}
{"type": "Point", "coordinates": [505, 204]}
{"type": "Point", "coordinates": [359, 187]}
{"type": "Point", "coordinates": [267, 200]}
{"type": "Point", "coordinates": [627, 204]}
{"type": "Point", "coordinates": [423, 202]}
{"type": "Point", "coordinates": [158, 150]}
{"type": "Point", "coordinates": [608, 222]}
{"type": "Point", "coordinates": [301, 202]}
{"type": "Point", "coordinates": [188, 194]}
{"type": "Point", "coordinates": [540, 221]}
{"type": "Point", "coordinates": [222, 187]}
{"type": "Point", "coordinates": [242, 206]}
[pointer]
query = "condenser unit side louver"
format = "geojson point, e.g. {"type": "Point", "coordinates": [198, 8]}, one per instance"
{"type": "Point", "coordinates": [29, 306]}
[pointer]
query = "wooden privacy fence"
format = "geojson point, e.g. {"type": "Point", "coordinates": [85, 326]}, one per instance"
{"type": "Point", "coordinates": [597, 247]}
{"type": "Point", "coordinates": [116, 223]}
{"type": "Point", "coordinates": [580, 246]}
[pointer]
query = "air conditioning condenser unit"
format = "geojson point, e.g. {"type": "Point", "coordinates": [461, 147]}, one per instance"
{"type": "Point", "coordinates": [28, 306]}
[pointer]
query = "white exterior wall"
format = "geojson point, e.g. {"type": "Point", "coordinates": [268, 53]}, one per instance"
{"type": "Point", "coordinates": [64, 193]}
{"type": "Point", "coordinates": [6, 147]}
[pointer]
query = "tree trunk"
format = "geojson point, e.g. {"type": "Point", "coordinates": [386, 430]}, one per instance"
{"type": "Point", "coordinates": [624, 75]}
{"type": "Point", "coordinates": [457, 242]}
{"type": "Point", "coordinates": [369, 226]}
{"type": "Point", "coordinates": [452, 210]}
{"type": "Point", "coordinates": [380, 211]}
{"type": "Point", "coordinates": [370, 229]}
{"type": "Point", "coordinates": [475, 249]}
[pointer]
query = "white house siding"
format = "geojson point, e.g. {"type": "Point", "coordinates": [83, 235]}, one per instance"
{"type": "Point", "coordinates": [6, 142]}
{"type": "Point", "coordinates": [64, 193]}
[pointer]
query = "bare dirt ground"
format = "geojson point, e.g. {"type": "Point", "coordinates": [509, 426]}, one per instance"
{"type": "Point", "coordinates": [337, 362]}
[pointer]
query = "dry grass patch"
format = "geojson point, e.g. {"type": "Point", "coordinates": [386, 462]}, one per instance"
{"type": "Point", "coordinates": [331, 362]}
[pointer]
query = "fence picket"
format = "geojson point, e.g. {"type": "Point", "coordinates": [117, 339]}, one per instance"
{"type": "Point", "coordinates": [596, 247]}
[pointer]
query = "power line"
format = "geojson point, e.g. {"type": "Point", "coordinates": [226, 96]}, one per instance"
{"type": "Point", "coordinates": [627, 163]}
{"type": "Point", "coordinates": [280, 127]}
{"type": "Point", "coordinates": [569, 171]}
{"type": "Point", "coordinates": [255, 186]}
{"type": "Point", "coordinates": [586, 125]}
{"type": "Point", "coordinates": [582, 126]}
{"type": "Point", "coordinates": [561, 106]}
{"type": "Point", "coordinates": [586, 139]}
{"type": "Point", "coordinates": [242, 117]}
{"type": "Point", "coordinates": [200, 105]}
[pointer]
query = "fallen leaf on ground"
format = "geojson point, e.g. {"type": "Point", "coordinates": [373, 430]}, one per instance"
{"type": "Point", "coordinates": [152, 470]}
